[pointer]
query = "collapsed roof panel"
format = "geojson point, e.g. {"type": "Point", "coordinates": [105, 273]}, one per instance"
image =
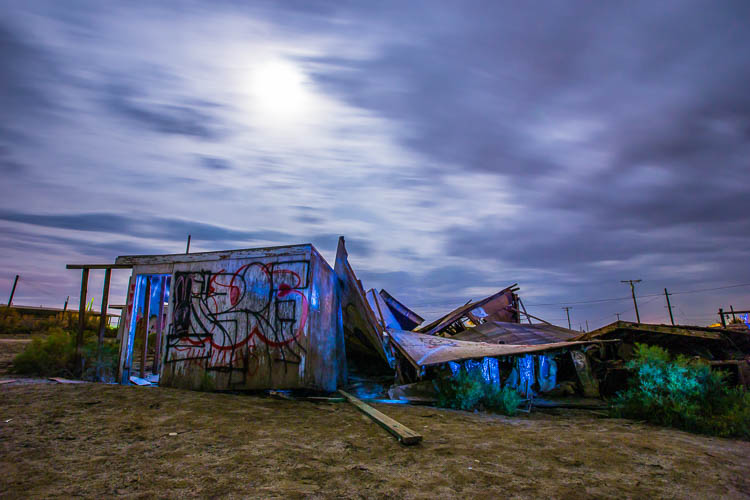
{"type": "Point", "coordinates": [425, 350]}
{"type": "Point", "coordinates": [382, 312]}
{"type": "Point", "coordinates": [364, 334]}
{"type": "Point", "coordinates": [407, 318]}
{"type": "Point", "coordinates": [497, 332]}
{"type": "Point", "coordinates": [487, 308]}
{"type": "Point", "coordinates": [685, 331]}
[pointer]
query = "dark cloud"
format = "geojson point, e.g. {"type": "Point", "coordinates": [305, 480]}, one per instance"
{"type": "Point", "coordinates": [605, 141]}
{"type": "Point", "coordinates": [359, 247]}
{"type": "Point", "coordinates": [213, 163]}
{"type": "Point", "coordinates": [309, 219]}
{"type": "Point", "coordinates": [22, 64]}
{"type": "Point", "coordinates": [143, 227]}
{"type": "Point", "coordinates": [182, 118]}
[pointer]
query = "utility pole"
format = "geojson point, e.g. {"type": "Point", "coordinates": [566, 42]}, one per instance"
{"type": "Point", "coordinates": [13, 291]}
{"type": "Point", "coordinates": [187, 249]}
{"type": "Point", "coordinates": [587, 325]}
{"type": "Point", "coordinates": [567, 311]}
{"type": "Point", "coordinates": [65, 307]}
{"type": "Point", "coordinates": [632, 291]}
{"type": "Point", "coordinates": [669, 306]}
{"type": "Point", "coordinates": [618, 316]}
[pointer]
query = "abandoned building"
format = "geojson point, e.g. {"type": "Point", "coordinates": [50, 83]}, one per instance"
{"type": "Point", "coordinates": [283, 318]}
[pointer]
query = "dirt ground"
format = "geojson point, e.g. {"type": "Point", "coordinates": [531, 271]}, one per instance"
{"type": "Point", "coordinates": [96, 441]}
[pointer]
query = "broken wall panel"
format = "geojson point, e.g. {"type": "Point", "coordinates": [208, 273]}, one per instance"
{"type": "Point", "coordinates": [407, 318]}
{"type": "Point", "coordinates": [383, 313]}
{"type": "Point", "coordinates": [364, 335]}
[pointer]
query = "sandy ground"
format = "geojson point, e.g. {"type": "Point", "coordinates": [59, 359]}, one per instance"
{"type": "Point", "coordinates": [98, 441]}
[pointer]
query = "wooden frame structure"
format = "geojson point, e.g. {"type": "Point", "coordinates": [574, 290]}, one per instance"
{"type": "Point", "coordinates": [85, 268]}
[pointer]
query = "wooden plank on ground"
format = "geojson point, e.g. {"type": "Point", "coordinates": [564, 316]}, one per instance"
{"type": "Point", "coordinates": [66, 381]}
{"type": "Point", "coordinates": [7, 381]}
{"type": "Point", "coordinates": [402, 433]}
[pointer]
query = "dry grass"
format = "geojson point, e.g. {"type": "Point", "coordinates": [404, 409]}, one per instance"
{"type": "Point", "coordinates": [98, 441]}
{"type": "Point", "coordinates": [9, 348]}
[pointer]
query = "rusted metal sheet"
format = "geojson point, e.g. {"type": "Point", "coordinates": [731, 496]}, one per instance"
{"type": "Point", "coordinates": [407, 318]}
{"type": "Point", "coordinates": [364, 335]}
{"type": "Point", "coordinates": [473, 311]}
{"type": "Point", "coordinates": [496, 332]}
{"type": "Point", "coordinates": [425, 350]}
{"type": "Point", "coordinates": [687, 331]}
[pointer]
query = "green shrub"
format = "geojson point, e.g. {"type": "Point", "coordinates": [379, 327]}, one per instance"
{"type": "Point", "coordinates": [683, 393]}
{"type": "Point", "coordinates": [48, 356]}
{"type": "Point", "coordinates": [54, 355]}
{"type": "Point", "coordinates": [469, 391]}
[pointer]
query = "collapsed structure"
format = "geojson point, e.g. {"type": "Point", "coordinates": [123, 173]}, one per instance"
{"type": "Point", "coordinates": [282, 318]}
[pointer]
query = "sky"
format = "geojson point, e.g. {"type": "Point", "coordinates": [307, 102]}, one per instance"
{"type": "Point", "coordinates": [460, 147]}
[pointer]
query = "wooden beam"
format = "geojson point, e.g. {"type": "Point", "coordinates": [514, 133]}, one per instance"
{"type": "Point", "coordinates": [403, 434]}
{"type": "Point", "coordinates": [282, 251]}
{"type": "Point", "coordinates": [102, 321]}
{"type": "Point", "coordinates": [81, 320]}
{"type": "Point", "coordinates": [98, 266]}
{"type": "Point", "coordinates": [529, 315]}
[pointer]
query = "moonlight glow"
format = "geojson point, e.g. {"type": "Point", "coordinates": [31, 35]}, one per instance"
{"type": "Point", "coordinates": [280, 94]}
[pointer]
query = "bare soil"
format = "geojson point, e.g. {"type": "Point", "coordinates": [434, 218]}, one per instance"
{"type": "Point", "coordinates": [97, 441]}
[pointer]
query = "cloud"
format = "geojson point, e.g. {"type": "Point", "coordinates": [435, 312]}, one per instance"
{"type": "Point", "coordinates": [460, 148]}
{"type": "Point", "coordinates": [167, 118]}
{"type": "Point", "coordinates": [142, 227]}
{"type": "Point", "coordinates": [213, 163]}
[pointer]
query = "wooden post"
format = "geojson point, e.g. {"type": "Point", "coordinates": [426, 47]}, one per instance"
{"type": "Point", "coordinates": [187, 248]}
{"type": "Point", "coordinates": [721, 315]}
{"type": "Point", "coordinates": [146, 314]}
{"type": "Point", "coordinates": [81, 319]}
{"type": "Point", "coordinates": [102, 322]}
{"type": "Point", "coordinates": [669, 306]}
{"type": "Point", "coordinates": [13, 291]}
{"type": "Point", "coordinates": [528, 318]}
{"type": "Point", "coordinates": [731, 309]}
{"type": "Point", "coordinates": [632, 291]}
{"type": "Point", "coordinates": [567, 311]}
{"type": "Point", "coordinates": [159, 322]}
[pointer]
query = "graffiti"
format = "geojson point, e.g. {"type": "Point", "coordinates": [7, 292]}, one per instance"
{"type": "Point", "coordinates": [237, 321]}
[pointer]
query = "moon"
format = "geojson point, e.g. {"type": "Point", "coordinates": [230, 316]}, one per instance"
{"type": "Point", "coordinates": [280, 92]}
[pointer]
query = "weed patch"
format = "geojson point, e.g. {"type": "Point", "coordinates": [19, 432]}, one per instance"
{"type": "Point", "coordinates": [683, 393]}
{"type": "Point", "coordinates": [469, 391]}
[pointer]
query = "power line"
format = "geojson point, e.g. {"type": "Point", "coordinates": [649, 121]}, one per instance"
{"type": "Point", "coordinates": [639, 296]}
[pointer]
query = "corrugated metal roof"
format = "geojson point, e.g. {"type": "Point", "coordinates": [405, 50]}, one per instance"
{"type": "Point", "coordinates": [425, 350]}
{"type": "Point", "coordinates": [497, 332]}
